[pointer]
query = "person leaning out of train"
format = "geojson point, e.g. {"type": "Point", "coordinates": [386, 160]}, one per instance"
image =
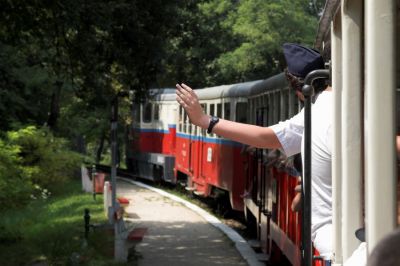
{"type": "Point", "coordinates": [286, 135]}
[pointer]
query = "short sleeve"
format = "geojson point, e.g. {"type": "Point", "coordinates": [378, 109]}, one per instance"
{"type": "Point", "coordinates": [290, 133]}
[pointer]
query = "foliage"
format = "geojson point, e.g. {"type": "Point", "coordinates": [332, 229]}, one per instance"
{"type": "Point", "coordinates": [62, 63]}
{"type": "Point", "coordinates": [44, 158]}
{"type": "Point", "coordinates": [227, 41]}
{"type": "Point", "coordinates": [24, 95]}
{"type": "Point", "coordinates": [32, 161]}
{"type": "Point", "coordinates": [15, 189]}
{"type": "Point", "coordinates": [53, 231]}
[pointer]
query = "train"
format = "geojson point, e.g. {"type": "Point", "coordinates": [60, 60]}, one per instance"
{"type": "Point", "coordinates": [165, 146]}
{"type": "Point", "coordinates": [358, 39]}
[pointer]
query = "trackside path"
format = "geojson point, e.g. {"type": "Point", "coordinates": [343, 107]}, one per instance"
{"type": "Point", "coordinates": [179, 232]}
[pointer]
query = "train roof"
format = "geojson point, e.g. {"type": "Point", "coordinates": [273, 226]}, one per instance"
{"type": "Point", "coordinates": [224, 91]}
{"type": "Point", "coordinates": [245, 89]}
{"type": "Point", "coordinates": [275, 82]}
{"type": "Point", "coordinates": [163, 94]}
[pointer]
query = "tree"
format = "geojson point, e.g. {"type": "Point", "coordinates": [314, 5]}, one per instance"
{"type": "Point", "coordinates": [263, 26]}
{"type": "Point", "coordinates": [62, 62]}
{"type": "Point", "coordinates": [227, 41]}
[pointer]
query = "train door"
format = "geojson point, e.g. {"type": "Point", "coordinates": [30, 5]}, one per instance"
{"type": "Point", "coordinates": [261, 180]}
{"type": "Point", "coordinates": [183, 145]}
{"type": "Point", "coordinates": [260, 114]}
{"type": "Point", "coordinates": [202, 152]}
{"type": "Point", "coordinates": [192, 148]}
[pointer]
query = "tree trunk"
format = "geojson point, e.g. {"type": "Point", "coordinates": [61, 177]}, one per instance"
{"type": "Point", "coordinates": [54, 112]}
{"type": "Point", "coordinates": [100, 147]}
{"type": "Point", "coordinates": [80, 144]}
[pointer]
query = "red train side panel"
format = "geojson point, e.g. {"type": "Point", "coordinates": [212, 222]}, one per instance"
{"type": "Point", "coordinates": [211, 163]}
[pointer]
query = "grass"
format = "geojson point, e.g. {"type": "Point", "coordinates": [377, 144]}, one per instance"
{"type": "Point", "coordinates": [52, 230]}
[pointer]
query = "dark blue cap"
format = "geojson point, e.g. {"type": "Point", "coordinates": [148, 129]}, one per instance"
{"type": "Point", "coordinates": [301, 60]}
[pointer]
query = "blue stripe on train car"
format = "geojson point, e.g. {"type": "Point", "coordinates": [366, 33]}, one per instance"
{"type": "Point", "coordinates": [211, 140]}
{"type": "Point", "coordinates": [151, 130]}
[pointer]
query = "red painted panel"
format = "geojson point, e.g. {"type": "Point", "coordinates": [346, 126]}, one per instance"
{"type": "Point", "coordinates": [283, 203]}
{"type": "Point", "coordinates": [170, 142]}
{"type": "Point", "coordinates": [155, 141]}
{"type": "Point", "coordinates": [292, 216]}
{"type": "Point", "coordinates": [209, 164]}
{"type": "Point", "coordinates": [239, 179]}
{"type": "Point", "coordinates": [182, 155]}
{"type": "Point", "coordinates": [150, 142]}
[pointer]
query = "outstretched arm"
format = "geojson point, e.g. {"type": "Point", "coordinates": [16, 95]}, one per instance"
{"type": "Point", "coordinates": [260, 137]}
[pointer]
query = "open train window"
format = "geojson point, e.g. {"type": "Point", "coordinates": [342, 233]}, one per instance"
{"type": "Point", "coordinates": [147, 112]}
{"type": "Point", "coordinates": [219, 110]}
{"type": "Point", "coordinates": [185, 122]}
{"type": "Point", "coordinates": [212, 112]}
{"type": "Point", "coordinates": [204, 106]}
{"type": "Point", "coordinates": [189, 125]}
{"type": "Point", "coordinates": [156, 112]}
{"type": "Point", "coordinates": [270, 109]}
{"type": "Point", "coordinates": [227, 110]}
{"type": "Point", "coordinates": [284, 105]}
{"type": "Point", "coordinates": [241, 112]}
{"type": "Point", "coordinates": [180, 118]}
{"type": "Point", "coordinates": [212, 109]}
{"type": "Point", "coordinates": [277, 107]}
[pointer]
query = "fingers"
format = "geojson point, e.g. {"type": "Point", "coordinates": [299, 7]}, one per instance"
{"type": "Point", "coordinates": [186, 90]}
{"type": "Point", "coordinates": [181, 102]}
{"type": "Point", "coordinates": [185, 95]}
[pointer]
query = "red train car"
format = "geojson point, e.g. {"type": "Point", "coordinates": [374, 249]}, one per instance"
{"type": "Point", "coordinates": [150, 151]}
{"type": "Point", "coordinates": [271, 177]}
{"type": "Point", "coordinates": [166, 146]}
{"type": "Point", "coordinates": [211, 165]}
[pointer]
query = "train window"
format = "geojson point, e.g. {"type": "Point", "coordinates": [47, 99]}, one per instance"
{"type": "Point", "coordinates": [277, 107]}
{"type": "Point", "coordinates": [241, 112]}
{"type": "Point", "coordinates": [212, 112]}
{"type": "Point", "coordinates": [219, 110]}
{"type": "Point", "coordinates": [189, 125]}
{"type": "Point", "coordinates": [204, 106]}
{"type": "Point", "coordinates": [147, 113]}
{"type": "Point", "coordinates": [180, 118]}
{"type": "Point", "coordinates": [265, 116]}
{"type": "Point", "coordinates": [270, 110]}
{"type": "Point", "coordinates": [185, 122]}
{"type": "Point", "coordinates": [227, 110]}
{"type": "Point", "coordinates": [212, 109]}
{"type": "Point", "coordinates": [156, 112]}
{"type": "Point", "coordinates": [284, 104]}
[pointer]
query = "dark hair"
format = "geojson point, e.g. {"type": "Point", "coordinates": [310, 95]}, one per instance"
{"type": "Point", "coordinates": [297, 83]}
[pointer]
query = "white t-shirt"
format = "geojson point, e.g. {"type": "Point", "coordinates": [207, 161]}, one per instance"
{"type": "Point", "coordinates": [290, 135]}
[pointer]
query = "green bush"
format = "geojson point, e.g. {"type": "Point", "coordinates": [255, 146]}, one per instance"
{"type": "Point", "coordinates": [32, 161]}
{"type": "Point", "coordinates": [15, 188]}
